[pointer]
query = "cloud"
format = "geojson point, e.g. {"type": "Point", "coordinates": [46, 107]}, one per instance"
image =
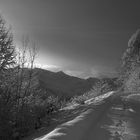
{"type": "Point", "coordinates": [48, 67]}
{"type": "Point", "coordinates": [74, 73]}
{"type": "Point", "coordinates": [103, 71]}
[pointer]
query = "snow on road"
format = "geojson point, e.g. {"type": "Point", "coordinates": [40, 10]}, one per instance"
{"type": "Point", "coordinates": [103, 120]}
{"type": "Point", "coordinates": [99, 98]}
{"type": "Point", "coordinates": [75, 129]}
{"type": "Point", "coordinates": [117, 124]}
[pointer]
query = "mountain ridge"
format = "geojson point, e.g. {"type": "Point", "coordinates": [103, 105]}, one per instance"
{"type": "Point", "coordinates": [59, 83]}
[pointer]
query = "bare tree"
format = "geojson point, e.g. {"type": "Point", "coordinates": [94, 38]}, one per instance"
{"type": "Point", "coordinates": [25, 61]}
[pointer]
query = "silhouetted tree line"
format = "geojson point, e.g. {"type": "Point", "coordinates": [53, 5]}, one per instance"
{"type": "Point", "coordinates": [22, 106]}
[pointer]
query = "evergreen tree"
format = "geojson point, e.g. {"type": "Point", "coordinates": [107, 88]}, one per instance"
{"type": "Point", "coordinates": [7, 49]}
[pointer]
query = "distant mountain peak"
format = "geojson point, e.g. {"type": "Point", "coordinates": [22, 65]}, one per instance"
{"type": "Point", "coordinates": [61, 73]}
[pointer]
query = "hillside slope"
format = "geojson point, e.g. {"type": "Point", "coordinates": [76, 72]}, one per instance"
{"type": "Point", "coordinates": [61, 84]}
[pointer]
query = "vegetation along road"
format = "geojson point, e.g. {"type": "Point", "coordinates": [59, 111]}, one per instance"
{"type": "Point", "coordinates": [104, 121]}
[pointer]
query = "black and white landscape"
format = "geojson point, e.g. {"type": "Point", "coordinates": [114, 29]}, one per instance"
{"type": "Point", "coordinates": [69, 70]}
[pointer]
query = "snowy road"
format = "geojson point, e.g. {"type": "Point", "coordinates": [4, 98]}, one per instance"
{"type": "Point", "coordinates": [104, 121]}
{"type": "Point", "coordinates": [76, 128]}
{"type": "Point", "coordinates": [116, 124]}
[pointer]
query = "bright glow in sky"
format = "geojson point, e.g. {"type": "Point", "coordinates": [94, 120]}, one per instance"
{"type": "Point", "coordinates": [81, 37]}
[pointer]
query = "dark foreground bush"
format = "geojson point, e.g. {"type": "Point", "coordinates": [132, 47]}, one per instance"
{"type": "Point", "coordinates": [19, 121]}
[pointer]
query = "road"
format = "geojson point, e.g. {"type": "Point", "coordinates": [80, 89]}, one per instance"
{"type": "Point", "coordinates": [116, 124]}
{"type": "Point", "coordinates": [106, 121]}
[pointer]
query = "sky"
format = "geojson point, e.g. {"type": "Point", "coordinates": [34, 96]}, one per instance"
{"type": "Point", "coordinates": [81, 37]}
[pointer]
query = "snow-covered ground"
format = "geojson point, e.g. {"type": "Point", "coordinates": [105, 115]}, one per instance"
{"type": "Point", "coordinates": [99, 98]}
{"type": "Point", "coordinates": [75, 128]}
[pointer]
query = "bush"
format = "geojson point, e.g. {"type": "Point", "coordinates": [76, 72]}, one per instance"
{"type": "Point", "coordinates": [79, 99]}
{"type": "Point", "coordinates": [99, 88]}
{"type": "Point", "coordinates": [20, 115]}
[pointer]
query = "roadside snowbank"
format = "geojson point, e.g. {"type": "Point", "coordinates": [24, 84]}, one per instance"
{"type": "Point", "coordinates": [76, 128]}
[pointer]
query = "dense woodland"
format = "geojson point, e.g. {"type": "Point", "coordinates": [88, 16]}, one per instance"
{"type": "Point", "coordinates": [23, 104]}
